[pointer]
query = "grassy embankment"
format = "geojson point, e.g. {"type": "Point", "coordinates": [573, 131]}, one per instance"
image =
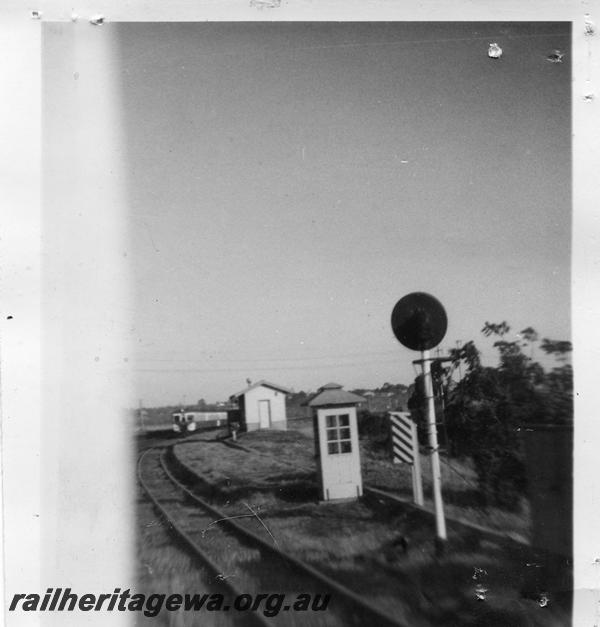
{"type": "Point", "coordinates": [358, 542]}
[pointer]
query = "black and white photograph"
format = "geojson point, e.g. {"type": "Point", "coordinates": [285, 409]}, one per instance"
{"type": "Point", "coordinates": [306, 320]}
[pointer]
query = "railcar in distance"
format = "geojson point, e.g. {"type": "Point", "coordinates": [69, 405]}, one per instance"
{"type": "Point", "coordinates": [186, 422]}
{"type": "Point", "coordinates": [183, 422]}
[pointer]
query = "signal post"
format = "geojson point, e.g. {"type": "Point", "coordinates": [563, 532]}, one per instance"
{"type": "Point", "coordinates": [440, 520]}
{"type": "Point", "coordinates": [419, 322]}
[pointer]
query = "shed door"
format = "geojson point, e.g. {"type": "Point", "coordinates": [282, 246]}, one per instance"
{"type": "Point", "coordinates": [264, 414]}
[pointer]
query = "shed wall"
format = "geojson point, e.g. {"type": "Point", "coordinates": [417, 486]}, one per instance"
{"type": "Point", "coordinates": [276, 400]}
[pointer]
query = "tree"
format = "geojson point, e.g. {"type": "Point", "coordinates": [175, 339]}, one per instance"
{"type": "Point", "coordinates": [530, 336]}
{"type": "Point", "coordinates": [558, 348]}
{"type": "Point", "coordinates": [488, 406]}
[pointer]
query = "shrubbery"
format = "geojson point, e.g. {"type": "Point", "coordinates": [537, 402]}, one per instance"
{"type": "Point", "coordinates": [480, 416]}
{"type": "Point", "coordinates": [374, 429]}
{"type": "Point", "coordinates": [485, 410]}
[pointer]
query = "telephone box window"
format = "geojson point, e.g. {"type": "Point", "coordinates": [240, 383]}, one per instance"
{"type": "Point", "coordinates": [338, 434]}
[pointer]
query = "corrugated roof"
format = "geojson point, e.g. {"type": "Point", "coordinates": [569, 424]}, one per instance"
{"type": "Point", "coordinates": [333, 394]}
{"type": "Point", "coordinates": [263, 383]}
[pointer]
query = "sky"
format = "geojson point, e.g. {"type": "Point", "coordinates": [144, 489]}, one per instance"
{"type": "Point", "coordinates": [287, 183]}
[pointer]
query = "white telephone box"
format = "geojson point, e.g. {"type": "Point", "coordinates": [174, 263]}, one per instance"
{"type": "Point", "coordinates": [336, 442]}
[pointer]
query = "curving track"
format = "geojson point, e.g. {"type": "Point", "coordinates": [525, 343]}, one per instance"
{"type": "Point", "coordinates": [243, 562]}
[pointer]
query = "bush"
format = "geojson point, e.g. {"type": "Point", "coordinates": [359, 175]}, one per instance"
{"type": "Point", "coordinates": [374, 428]}
{"type": "Point", "coordinates": [486, 408]}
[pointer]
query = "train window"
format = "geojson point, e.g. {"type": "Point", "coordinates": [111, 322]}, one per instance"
{"type": "Point", "coordinates": [337, 429]}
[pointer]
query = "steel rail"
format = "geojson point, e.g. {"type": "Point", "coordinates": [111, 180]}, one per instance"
{"type": "Point", "coordinates": [505, 536]}
{"type": "Point", "coordinates": [381, 618]}
{"type": "Point", "coordinates": [254, 617]}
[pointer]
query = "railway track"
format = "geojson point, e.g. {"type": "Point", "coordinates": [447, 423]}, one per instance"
{"type": "Point", "coordinates": [245, 563]}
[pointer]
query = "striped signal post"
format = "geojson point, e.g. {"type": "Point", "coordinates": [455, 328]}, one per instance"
{"type": "Point", "coordinates": [405, 449]}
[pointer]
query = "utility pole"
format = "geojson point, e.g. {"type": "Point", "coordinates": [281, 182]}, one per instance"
{"type": "Point", "coordinates": [458, 347]}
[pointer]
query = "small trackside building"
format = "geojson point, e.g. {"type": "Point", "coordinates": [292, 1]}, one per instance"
{"type": "Point", "coordinates": [336, 442]}
{"type": "Point", "coordinates": [262, 406]}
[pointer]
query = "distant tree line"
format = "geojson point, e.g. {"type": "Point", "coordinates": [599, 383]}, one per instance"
{"type": "Point", "coordinates": [378, 401]}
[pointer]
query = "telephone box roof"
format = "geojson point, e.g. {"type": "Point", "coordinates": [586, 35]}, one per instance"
{"type": "Point", "coordinates": [331, 386]}
{"type": "Point", "coordinates": [333, 394]}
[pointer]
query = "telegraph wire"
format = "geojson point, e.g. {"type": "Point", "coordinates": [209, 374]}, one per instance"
{"type": "Point", "coordinates": [259, 359]}
{"type": "Point", "coordinates": [265, 369]}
